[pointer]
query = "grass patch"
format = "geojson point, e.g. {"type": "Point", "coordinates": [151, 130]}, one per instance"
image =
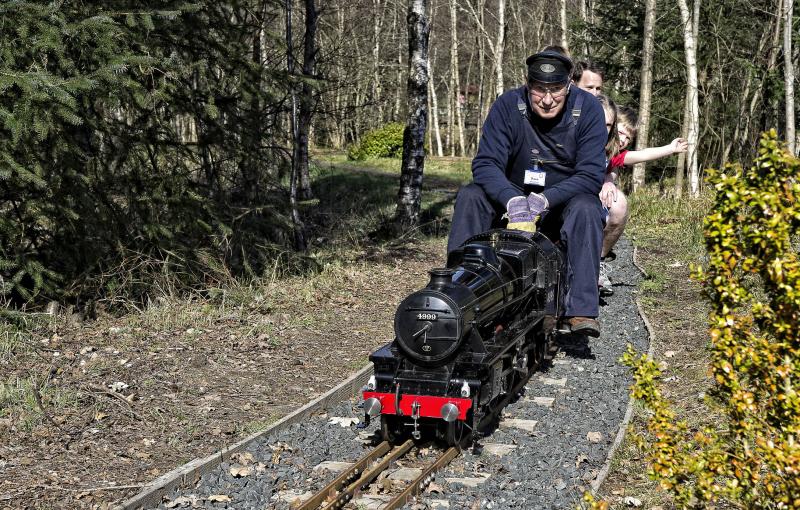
{"type": "Point", "coordinates": [659, 222]}
{"type": "Point", "coordinates": [370, 187]}
{"type": "Point", "coordinates": [252, 427]}
{"type": "Point", "coordinates": [18, 400]}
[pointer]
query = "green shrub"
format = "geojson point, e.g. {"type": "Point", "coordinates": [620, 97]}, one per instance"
{"type": "Point", "coordinates": [384, 142]}
{"type": "Point", "coordinates": [752, 459]}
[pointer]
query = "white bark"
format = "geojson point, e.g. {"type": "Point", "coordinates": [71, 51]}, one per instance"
{"type": "Point", "coordinates": [645, 94]}
{"type": "Point", "coordinates": [562, 15]}
{"type": "Point", "coordinates": [377, 27]}
{"type": "Point", "coordinates": [788, 75]}
{"type": "Point", "coordinates": [396, 111]}
{"type": "Point", "coordinates": [409, 197]}
{"type": "Point", "coordinates": [500, 45]}
{"type": "Point", "coordinates": [690, 46]}
{"type": "Point", "coordinates": [680, 171]}
{"type": "Point", "coordinates": [481, 73]}
{"type": "Point", "coordinates": [455, 82]}
{"type": "Point", "coordinates": [496, 47]}
{"type": "Point", "coordinates": [434, 108]}
{"type": "Point", "coordinates": [449, 139]}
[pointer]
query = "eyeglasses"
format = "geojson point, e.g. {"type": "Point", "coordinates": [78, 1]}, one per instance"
{"type": "Point", "coordinates": [556, 92]}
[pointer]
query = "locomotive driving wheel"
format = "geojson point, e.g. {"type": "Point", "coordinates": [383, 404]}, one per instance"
{"type": "Point", "coordinates": [391, 428]}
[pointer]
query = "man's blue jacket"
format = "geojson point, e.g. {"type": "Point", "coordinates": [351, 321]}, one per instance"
{"type": "Point", "coordinates": [570, 149]}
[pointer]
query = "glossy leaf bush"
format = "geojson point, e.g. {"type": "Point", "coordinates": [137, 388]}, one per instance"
{"type": "Point", "coordinates": [751, 458]}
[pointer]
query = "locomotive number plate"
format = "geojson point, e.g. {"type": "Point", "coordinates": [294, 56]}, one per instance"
{"type": "Point", "coordinates": [427, 316]}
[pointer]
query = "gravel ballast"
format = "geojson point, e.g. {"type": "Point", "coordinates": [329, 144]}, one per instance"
{"type": "Point", "coordinates": [551, 444]}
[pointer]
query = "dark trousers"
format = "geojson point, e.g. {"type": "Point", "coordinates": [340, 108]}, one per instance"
{"type": "Point", "coordinates": [577, 223]}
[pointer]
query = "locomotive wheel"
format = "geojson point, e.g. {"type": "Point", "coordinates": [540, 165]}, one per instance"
{"type": "Point", "coordinates": [538, 351]}
{"type": "Point", "coordinates": [391, 428]}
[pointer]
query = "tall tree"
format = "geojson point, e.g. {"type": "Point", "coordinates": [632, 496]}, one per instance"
{"type": "Point", "coordinates": [455, 80]}
{"type": "Point", "coordinates": [690, 20]}
{"type": "Point", "coordinates": [377, 36]}
{"type": "Point", "coordinates": [434, 113]}
{"type": "Point", "coordinates": [307, 99]}
{"type": "Point", "coordinates": [788, 78]}
{"type": "Point", "coordinates": [500, 46]}
{"type": "Point", "coordinates": [297, 223]}
{"type": "Point", "coordinates": [409, 197]}
{"type": "Point", "coordinates": [646, 87]}
{"type": "Point", "coordinates": [562, 17]}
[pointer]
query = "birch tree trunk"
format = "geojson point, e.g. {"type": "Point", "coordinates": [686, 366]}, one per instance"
{"type": "Point", "coordinates": [481, 75]}
{"type": "Point", "coordinates": [582, 11]}
{"type": "Point", "coordinates": [397, 111]}
{"type": "Point", "coordinates": [455, 82]}
{"type": "Point", "coordinates": [645, 94]}
{"type": "Point", "coordinates": [499, 47]}
{"type": "Point", "coordinates": [376, 59]}
{"type": "Point", "coordinates": [690, 46]}
{"type": "Point", "coordinates": [521, 25]}
{"type": "Point", "coordinates": [434, 115]}
{"type": "Point", "coordinates": [562, 15]}
{"type": "Point", "coordinates": [788, 76]}
{"type": "Point", "coordinates": [680, 171]}
{"type": "Point", "coordinates": [409, 197]}
{"type": "Point", "coordinates": [450, 141]}
{"type": "Point", "coordinates": [297, 223]}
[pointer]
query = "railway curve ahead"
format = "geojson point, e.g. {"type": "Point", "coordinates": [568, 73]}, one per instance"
{"type": "Point", "coordinates": [552, 443]}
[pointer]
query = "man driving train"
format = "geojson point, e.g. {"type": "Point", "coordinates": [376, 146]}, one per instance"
{"type": "Point", "coordinates": [542, 153]}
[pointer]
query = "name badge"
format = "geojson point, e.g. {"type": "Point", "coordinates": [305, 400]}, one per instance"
{"type": "Point", "coordinates": [534, 177]}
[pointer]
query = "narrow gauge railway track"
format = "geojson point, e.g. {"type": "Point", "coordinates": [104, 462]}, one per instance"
{"type": "Point", "coordinates": [550, 446]}
{"type": "Point", "coordinates": [367, 469]}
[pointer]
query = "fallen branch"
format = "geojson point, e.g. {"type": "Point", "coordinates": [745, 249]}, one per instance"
{"type": "Point", "coordinates": [102, 389]}
{"type": "Point", "coordinates": [38, 397]}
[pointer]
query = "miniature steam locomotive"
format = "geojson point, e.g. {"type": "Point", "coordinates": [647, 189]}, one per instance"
{"type": "Point", "coordinates": [466, 343]}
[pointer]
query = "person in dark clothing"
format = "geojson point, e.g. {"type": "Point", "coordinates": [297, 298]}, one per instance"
{"type": "Point", "coordinates": [542, 153]}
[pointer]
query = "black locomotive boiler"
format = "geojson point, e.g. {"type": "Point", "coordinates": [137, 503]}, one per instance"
{"type": "Point", "coordinates": [466, 343]}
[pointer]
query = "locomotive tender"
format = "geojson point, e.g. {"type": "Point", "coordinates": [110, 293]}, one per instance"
{"type": "Point", "coordinates": [466, 343]}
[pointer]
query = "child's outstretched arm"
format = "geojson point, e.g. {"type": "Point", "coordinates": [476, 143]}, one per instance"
{"type": "Point", "coordinates": [649, 154]}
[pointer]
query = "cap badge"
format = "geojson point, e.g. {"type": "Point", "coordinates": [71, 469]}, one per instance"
{"type": "Point", "coordinates": [547, 68]}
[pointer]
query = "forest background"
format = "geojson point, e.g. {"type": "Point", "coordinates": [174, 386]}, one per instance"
{"type": "Point", "coordinates": [188, 162]}
{"type": "Point", "coordinates": [174, 136]}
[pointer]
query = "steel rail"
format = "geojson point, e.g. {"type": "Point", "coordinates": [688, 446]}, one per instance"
{"type": "Point", "coordinates": [345, 477]}
{"type": "Point", "coordinates": [422, 481]}
{"type": "Point", "coordinates": [368, 476]}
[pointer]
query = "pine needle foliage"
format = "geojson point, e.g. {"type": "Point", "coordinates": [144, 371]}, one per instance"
{"type": "Point", "coordinates": [137, 127]}
{"type": "Point", "coordinates": [752, 281]}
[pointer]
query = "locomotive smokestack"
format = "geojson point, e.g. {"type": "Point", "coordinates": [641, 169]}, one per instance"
{"type": "Point", "coordinates": [440, 277]}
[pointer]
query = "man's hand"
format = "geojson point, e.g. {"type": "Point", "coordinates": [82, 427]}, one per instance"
{"type": "Point", "coordinates": [518, 210]}
{"type": "Point", "coordinates": [608, 194]}
{"type": "Point", "coordinates": [679, 145]}
{"type": "Point", "coordinates": [537, 203]}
